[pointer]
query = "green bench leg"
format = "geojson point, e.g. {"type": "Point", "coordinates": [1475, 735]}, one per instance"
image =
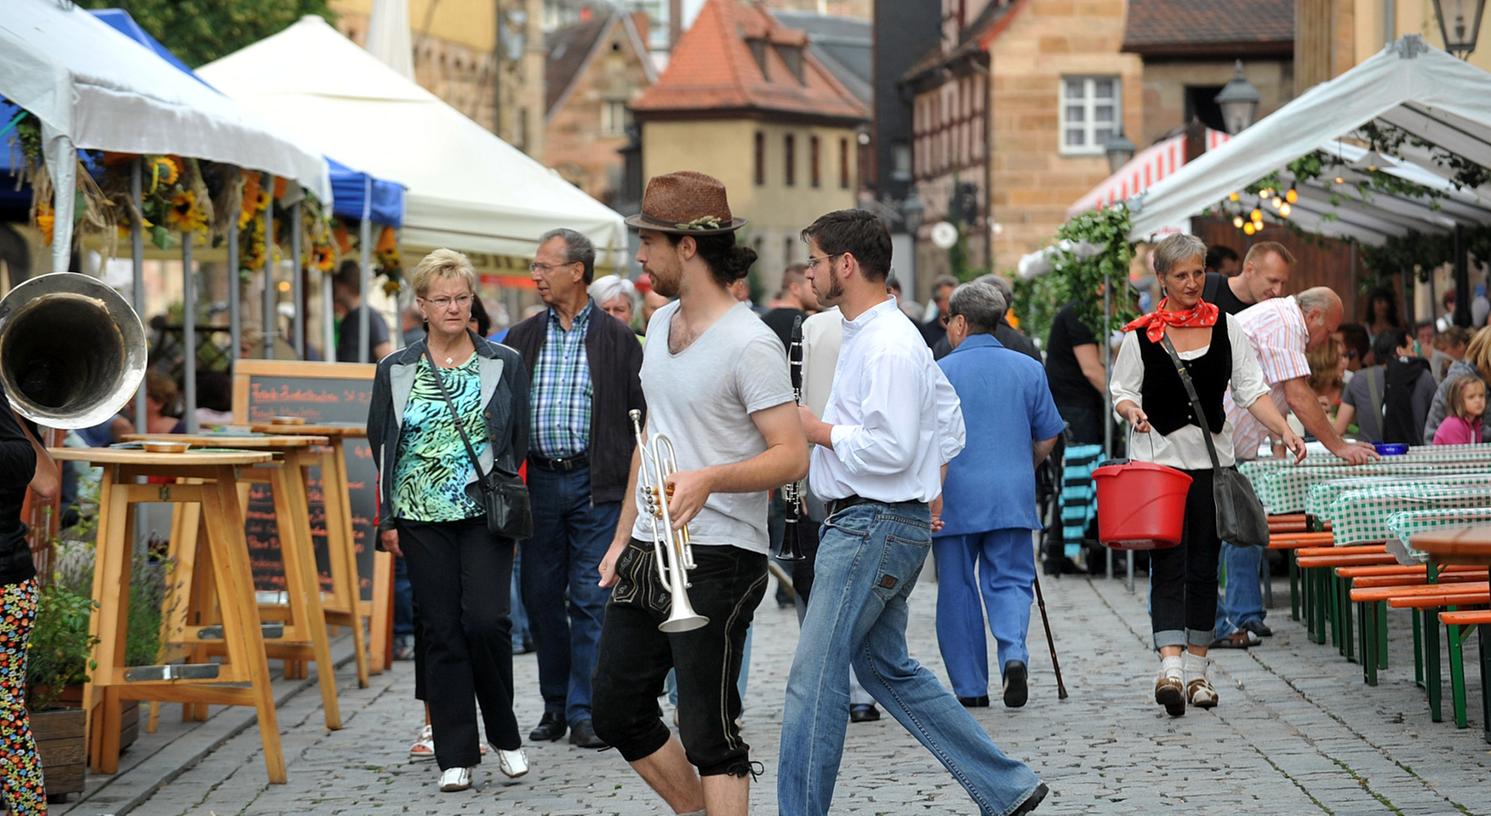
{"type": "Point", "coordinates": [1457, 674]}
{"type": "Point", "coordinates": [1294, 597]}
{"type": "Point", "coordinates": [1348, 640]}
{"type": "Point", "coordinates": [1418, 653]}
{"type": "Point", "coordinates": [1381, 612]}
{"type": "Point", "coordinates": [1431, 663]}
{"type": "Point", "coordinates": [1321, 601]}
{"type": "Point", "coordinates": [1484, 630]}
{"type": "Point", "coordinates": [1369, 643]}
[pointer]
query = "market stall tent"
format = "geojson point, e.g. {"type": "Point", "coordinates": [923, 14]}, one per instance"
{"type": "Point", "coordinates": [92, 87]}
{"type": "Point", "coordinates": [467, 189]}
{"type": "Point", "coordinates": [1440, 104]}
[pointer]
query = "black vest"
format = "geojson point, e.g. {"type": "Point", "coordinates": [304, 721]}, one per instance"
{"type": "Point", "coordinates": [1165, 399]}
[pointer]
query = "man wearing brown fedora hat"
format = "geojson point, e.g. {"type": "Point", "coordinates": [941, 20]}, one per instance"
{"type": "Point", "coordinates": [716, 384]}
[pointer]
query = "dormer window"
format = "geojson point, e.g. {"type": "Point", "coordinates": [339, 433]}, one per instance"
{"type": "Point", "coordinates": [758, 52]}
{"type": "Point", "coordinates": [792, 55]}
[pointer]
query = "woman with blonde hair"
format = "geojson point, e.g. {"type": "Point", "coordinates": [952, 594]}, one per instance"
{"type": "Point", "coordinates": [431, 513]}
{"type": "Point", "coordinates": [1476, 363]}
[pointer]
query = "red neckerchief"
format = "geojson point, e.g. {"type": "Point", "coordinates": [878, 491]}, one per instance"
{"type": "Point", "coordinates": [1202, 315]}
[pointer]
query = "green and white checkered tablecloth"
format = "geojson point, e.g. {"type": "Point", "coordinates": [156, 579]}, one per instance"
{"type": "Point", "coordinates": [1402, 527]}
{"type": "Point", "coordinates": [1419, 453]}
{"type": "Point", "coordinates": [1286, 490]}
{"type": "Point", "coordinates": [1362, 516]}
{"type": "Point", "coordinates": [1320, 494]}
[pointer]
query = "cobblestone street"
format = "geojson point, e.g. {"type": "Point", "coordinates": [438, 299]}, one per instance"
{"type": "Point", "coordinates": [1296, 732]}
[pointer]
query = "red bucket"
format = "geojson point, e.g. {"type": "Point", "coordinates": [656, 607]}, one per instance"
{"type": "Point", "coordinates": [1141, 505]}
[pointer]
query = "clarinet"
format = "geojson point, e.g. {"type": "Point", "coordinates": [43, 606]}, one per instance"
{"type": "Point", "coordinates": [791, 548]}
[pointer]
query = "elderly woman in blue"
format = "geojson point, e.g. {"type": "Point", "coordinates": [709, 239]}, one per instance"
{"type": "Point", "coordinates": [989, 507]}
{"type": "Point", "coordinates": [430, 511]}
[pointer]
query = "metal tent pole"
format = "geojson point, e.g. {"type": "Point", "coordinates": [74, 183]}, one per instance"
{"type": "Point", "coordinates": [235, 293]}
{"type": "Point", "coordinates": [189, 331]}
{"type": "Point", "coordinates": [267, 323]}
{"type": "Point", "coordinates": [297, 323]}
{"type": "Point", "coordinates": [365, 239]}
{"type": "Point", "coordinates": [137, 258]}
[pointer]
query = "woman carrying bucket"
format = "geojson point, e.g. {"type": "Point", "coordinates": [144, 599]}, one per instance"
{"type": "Point", "coordinates": [1150, 395]}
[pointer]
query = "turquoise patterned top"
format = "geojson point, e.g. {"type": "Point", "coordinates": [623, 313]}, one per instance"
{"type": "Point", "coordinates": [433, 468]}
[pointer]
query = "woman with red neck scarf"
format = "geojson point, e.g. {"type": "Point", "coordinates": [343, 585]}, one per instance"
{"type": "Point", "coordinates": [1149, 395]}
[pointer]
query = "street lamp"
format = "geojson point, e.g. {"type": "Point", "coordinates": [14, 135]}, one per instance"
{"type": "Point", "coordinates": [912, 212]}
{"type": "Point", "coordinates": [1459, 38]}
{"type": "Point", "coordinates": [1119, 150]}
{"type": "Point", "coordinates": [1238, 101]}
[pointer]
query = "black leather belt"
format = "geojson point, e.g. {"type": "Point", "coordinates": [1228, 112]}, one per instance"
{"type": "Point", "coordinates": [847, 502]}
{"type": "Point", "coordinates": [565, 465]}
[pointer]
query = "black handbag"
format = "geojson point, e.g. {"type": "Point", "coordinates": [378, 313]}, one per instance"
{"type": "Point", "coordinates": [1241, 519]}
{"type": "Point", "coordinates": [503, 495]}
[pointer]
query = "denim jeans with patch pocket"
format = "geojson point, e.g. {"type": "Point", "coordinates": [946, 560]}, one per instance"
{"type": "Point", "coordinates": [867, 564]}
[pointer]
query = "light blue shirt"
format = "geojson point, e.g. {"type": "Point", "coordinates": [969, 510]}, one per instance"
{"type": "Point", "coordinates": [1007, 407]}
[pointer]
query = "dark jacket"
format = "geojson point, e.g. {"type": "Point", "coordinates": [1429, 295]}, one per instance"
{"type": "Point", "coordinates": [17, 466]}
{"type": "Point", "coordinates": [504, 387]}
{"type": "Point", "coordinates": [615, 360]}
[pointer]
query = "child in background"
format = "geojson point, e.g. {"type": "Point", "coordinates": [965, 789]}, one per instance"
{"type": "Point", "coordinates": [1467, 406]}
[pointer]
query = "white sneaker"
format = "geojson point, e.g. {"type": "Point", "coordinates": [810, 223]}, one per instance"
{"type": "Point", "coordinates": [455, 779]}
{"type": "Point", "coordinates": [424, 747]}
{"type": "Point", "coordinates": [513, 763]}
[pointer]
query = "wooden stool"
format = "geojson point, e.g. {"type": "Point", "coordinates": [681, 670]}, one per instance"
{"type": "Point", "coordinates": [298, 629]}
{"type": "Point", "coordinates": [346, 607]}
{"type": "Point", "coordinates": [244, 678]}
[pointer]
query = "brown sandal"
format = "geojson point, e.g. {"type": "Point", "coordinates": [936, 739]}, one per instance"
{"type": "Point", "coordinates": [1168, 693]}
{"type": "Point", "coordinates": [1201, 694]}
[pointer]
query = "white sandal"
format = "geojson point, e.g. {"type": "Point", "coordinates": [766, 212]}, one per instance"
{"type": "Point", "coordinates": [424, 747]}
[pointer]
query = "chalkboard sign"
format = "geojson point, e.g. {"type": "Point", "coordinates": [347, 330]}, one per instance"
{"type": "Point", "coordinates": [318, 393]}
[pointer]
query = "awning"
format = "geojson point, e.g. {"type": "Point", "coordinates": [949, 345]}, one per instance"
{"type": "Point", "coordinates": [467, 189]}
{"type": "Point", "coordinates": [1436, 102]}
{"type": "Point", "coordinates": [1143, 171]}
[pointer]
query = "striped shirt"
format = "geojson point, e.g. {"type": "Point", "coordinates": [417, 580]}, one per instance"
{"type": "Point", "coordinates": [1276, 330]}
{"type": "Point", "coordinates": [562, 390]}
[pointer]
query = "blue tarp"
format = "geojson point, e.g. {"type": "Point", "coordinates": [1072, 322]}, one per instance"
{"type": "Point", "coordinates": [349, 187]}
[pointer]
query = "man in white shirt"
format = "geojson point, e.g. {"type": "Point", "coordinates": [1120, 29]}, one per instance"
{"type": "Point", "coordinates": [891, 424]}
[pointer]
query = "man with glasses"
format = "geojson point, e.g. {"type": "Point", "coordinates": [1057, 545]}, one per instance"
{"type": "Point", "coordinates": [584, 366]}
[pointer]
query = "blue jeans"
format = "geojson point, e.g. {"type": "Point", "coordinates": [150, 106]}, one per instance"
{"type": "Point", "coordinates": [403, 600]}
{"type": "Point", "coordinates": [565, 607]}
{"type": "Point", "coordinates": [1242, 600]}
{"type": "Point", "coordinates": [519, 613]}
{"type": "Point", "coordinates": [867, 564]}
{"type": "Point", "coordinates": [1006, 580]}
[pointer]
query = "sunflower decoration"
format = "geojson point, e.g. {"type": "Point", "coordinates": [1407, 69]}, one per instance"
{"type": "Point", "coordinates": [255, 200]}
{"type": "Point", "coordinates": [186, 213]}
{"type": "Point", "coordinates": [386, 252]}
{"type": "Point", "coordinates": [45, 219]}
{"type": "Point", "coordinates": [320, 248]}
{"type": "Point", "coordinates": [165, 171]}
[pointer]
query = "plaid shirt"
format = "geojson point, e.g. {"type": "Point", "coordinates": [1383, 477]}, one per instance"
{"type": "Point", "coordinates": [1277, 331]}
{"type": "Point", "coordinates": [561, 390]}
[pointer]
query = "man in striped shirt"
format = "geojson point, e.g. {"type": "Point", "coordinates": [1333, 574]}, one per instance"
{"type": "Point", "coordinates": [1280, 330]}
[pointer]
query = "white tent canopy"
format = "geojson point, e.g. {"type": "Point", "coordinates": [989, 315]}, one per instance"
{"type": "Point", "coordinates": [467, 189]}
{"type": "Point", "coordinates": [95, 88]}
{"type": "Point", "coordinates": [1410, 88]}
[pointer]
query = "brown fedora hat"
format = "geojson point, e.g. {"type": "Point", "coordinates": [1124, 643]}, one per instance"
{"type": "Point", "coordinates": [686, 203]}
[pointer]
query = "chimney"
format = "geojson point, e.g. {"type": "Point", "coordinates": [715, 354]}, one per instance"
{"type": "Point", "coordinates": [675, 23]}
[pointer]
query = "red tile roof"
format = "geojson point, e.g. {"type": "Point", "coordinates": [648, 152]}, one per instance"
{"type": "Point", "coordinates": [1200, 27]}
{"type": "Point", "coordinates": [713, 68]}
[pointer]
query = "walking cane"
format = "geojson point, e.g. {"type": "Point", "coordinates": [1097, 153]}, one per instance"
{"type": "Point", "coordinates": [1046, 621]}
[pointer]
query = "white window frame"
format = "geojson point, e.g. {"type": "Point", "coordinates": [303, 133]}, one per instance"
{"type": "Point", "coordinates": [1089, 109]}
{"type": "Point", "coordinates": [613, 117]}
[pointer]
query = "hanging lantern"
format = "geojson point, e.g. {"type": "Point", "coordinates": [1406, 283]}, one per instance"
{"type": "Point", "coordinates": [1256, 216]}
{"type": "Point", "coordinates": [1249, 229]}
{"type": "Point", "coordinates": [1285, 210]}
{"type": "Point", "coordinates": [1292, 196]}
{"type": "Point", "coordinates": [1237, 221]}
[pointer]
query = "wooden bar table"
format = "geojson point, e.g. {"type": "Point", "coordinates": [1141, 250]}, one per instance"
{"type": "Point", "coordinates": [346, 606]}
{"type": "Point", "coordinates": [188, 613]}
{"type": "Point", "coordinates": [244, 678]}
{"type": "Point", "coordinates": [1465, 545]}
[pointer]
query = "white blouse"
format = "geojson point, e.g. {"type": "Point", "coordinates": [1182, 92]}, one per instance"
{"type": "Point", "coordinates": [1186, 448]}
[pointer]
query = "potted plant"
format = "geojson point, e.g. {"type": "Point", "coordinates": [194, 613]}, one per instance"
{"type": "Point", "coordinates": [60, 649]}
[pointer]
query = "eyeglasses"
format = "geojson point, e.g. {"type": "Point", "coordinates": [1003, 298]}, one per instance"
{"type": "Point", "coordinates": [813, 262]}
{"type": "Point", "coordinates": [444, 303]}
{"type": "Point", "coordinates": [544, 269]}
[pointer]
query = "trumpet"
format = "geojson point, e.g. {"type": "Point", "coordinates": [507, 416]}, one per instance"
{"type": "Point", "coordinates": [671, 551]}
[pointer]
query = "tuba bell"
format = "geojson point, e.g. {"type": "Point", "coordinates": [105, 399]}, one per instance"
{"type": "Point", "coordinates": [72, 351]}
{"type": "Point", "coordinates": [671, 551]}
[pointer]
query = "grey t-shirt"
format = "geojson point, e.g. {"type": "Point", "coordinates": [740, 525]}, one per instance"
{"type": "Point", "coordinates": [702, 400]}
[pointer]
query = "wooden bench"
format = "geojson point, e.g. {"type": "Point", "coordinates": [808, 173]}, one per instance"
{"type": "Point", "coordinates": [1457, 625]}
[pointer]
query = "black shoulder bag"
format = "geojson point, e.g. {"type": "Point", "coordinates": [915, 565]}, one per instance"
{"type": "Point", "coordinates": [504, 496]}
{"type": "Point", "coordinates": [1240, 516]}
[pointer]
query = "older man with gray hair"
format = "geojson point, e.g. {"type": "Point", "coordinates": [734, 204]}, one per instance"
{"type": "Point", "coordinates": [583, 365]}
{"type": "Point", "coordinates": [1007, 335]}
{"type": "Point", "coordinates": [988, 505]}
